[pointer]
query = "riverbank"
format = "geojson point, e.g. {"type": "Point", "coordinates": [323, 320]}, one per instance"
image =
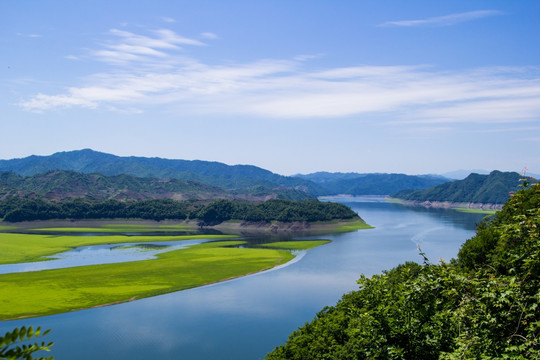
{"type": "Point", "coordinates": [232, 227]}
{"type": "Point", "coordinates": [292, 228]}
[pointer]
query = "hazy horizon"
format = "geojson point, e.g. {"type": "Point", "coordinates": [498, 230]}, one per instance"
{"type": "Point", "coordinates": [417, 87]}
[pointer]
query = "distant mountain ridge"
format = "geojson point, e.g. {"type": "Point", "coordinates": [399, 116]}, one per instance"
{"type": "Point", "coordinates": [211, 173]}
{"type": "Point", "coordinates": [494, 188]}
{"type": "Point", "coordinates": [370, 183]}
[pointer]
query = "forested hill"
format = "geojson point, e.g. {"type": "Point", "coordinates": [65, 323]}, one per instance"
{"type": "Point", "coordinates": [484, 305]}
{"type": "Point", "coordinates": [60, 185]}
{"type": "Point", "coordinates": [210, 173]}
{"type": "Point", "coordinates": [494, 188]}
{"type": "Point", "coordinates": [16, 209]}
{"type": "Point", "coordinates": [370, 184]}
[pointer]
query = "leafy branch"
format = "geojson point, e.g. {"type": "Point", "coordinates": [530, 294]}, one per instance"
{"type": "Point", "coordinates": [10, 351]}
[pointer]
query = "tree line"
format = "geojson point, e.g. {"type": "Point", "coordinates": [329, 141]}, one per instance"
{"type": "Point", "coordinates": [16, 209]}
{"type": "Point", "coordinates": [483, 305]}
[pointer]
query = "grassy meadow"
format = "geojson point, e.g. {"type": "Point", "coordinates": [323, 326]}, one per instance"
{"type": "Point", "coordinates": [19, 248]}
{"type": "Point", "coordinates": [54, 291]}
{"type": "Point", "coordinates": [477, 211]}
{"type": "Point", "coordinates": [45, 292]}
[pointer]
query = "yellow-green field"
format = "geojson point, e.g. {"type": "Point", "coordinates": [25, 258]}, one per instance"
{"type": "Point", "coordinates": [46, 292]}
{"type": "Point", "coordinates": [54, 291]}
{"type": "Point", "coordinates": [346, 226]}
{"type": "Point", "coordinates": [120, 228]}
{"type": "Point", "coordinates": [19, 248]}
{"type": "Point", "coordinates": [476, 211]}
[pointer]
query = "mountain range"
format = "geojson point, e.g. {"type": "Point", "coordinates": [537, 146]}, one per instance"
{"type": "Point", "coordinates": [199, 179]}
{"type": "Point", "coordinates": [211, 173]}
{"type": "Point", "coordinates": [97, 175]}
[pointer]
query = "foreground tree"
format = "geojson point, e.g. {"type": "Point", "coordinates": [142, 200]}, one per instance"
{"type": "Point", "coordinates": [13, 346]}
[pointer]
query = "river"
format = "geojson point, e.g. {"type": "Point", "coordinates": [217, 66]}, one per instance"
{"type": "Point", "coordinates": [247, 317]}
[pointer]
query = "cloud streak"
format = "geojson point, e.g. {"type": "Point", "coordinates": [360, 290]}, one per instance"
{"type": "Point", "coordinates": [159, 75]}
{"type": "Point", "coordinates": [447, 20]}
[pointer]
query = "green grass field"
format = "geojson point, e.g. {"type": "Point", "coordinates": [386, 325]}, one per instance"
{"type": "Point", "coordinates": [55, 291]}
{"type": "Point", "coordinates": [345, 226]}
{"type": "Point", "coordinates": [477, 211]}
{"type": "Point", "coordinates": [119, 228]}
{"type": "Point", "coordinates": [19, 248]}
{"type": "Point", "coordinates": [46, 292]}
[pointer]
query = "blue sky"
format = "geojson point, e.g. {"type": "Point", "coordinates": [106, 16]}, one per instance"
{"type": "Point", "coordinates": [291, 86]}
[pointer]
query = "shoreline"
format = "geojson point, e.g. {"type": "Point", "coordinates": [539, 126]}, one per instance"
{"type": "Point", "coordinates": [232, 227]}
{"type": "Point", "coordinates": [468, 206]}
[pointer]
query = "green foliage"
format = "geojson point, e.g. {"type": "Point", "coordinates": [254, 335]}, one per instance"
{"type": "Point", "coordinates": [15, 210]}
{"type": "Point", "coordinates": [310, 210]}
{"type": "Point", "coordinates": [483, 305]}
{"type": "Point", "coordinates": [60, 185]}
{"type": "Point", "coordinates": [10, 351]}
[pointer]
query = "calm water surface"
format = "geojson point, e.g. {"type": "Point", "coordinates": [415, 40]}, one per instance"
{"type": "Point", "coordinates": [247, 317]}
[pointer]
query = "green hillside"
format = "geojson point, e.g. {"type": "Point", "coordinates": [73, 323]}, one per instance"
{"type": "Point", "coordinates": [211, 173]}
{"type": "Point", "coordinates": [370, 184]}
{"type": "Point", "coordinates": [483, 305]}
{"type": "Point", "coordinates": [17, 209]}
{"type": "Point", "coordinates": [59, 185]}
{"type": "Point", "coordinates": [494, 188]}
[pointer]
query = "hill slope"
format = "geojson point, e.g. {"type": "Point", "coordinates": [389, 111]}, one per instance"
{"type": "Point", "coordinates": [494, 188]}
{"type": "Point", "coordinates": [211, 173]}
{"type": "Point", "coordinates": [59, 185]}
{"type": "Point", "coordinates": [370, 184]}
{"type": "Point", "coordinates": [62, 184]}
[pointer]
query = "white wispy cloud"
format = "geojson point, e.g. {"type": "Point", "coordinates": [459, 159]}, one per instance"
{"type": "Point", "coordinates": [289, 89]}
{"type": "Point", "coordinates": [446, 20]}
{"type": "Point", "coordinates": [126, 46]}
{"type": "Point", "coordinates": [168, 20]}
{"type": "Point", "coordinates": [209, 35]}
{"type": "Point", "coordinates": [30, 35]}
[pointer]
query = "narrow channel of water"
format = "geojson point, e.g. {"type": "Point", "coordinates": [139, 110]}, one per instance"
{"type": "Point", "coordinates": [100, 254]}
{"type": "Point", "coordinates": [247, 317]}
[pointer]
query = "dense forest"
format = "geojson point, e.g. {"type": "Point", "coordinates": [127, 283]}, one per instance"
{"type": "Point", "coordinates": [483, 305]}
{"type": "Point", "coordinates": [16, 209]}
{"type": "Point", "coordinates": [61, 185]}
{"type": "Point", "coordinates": [494, 188]}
